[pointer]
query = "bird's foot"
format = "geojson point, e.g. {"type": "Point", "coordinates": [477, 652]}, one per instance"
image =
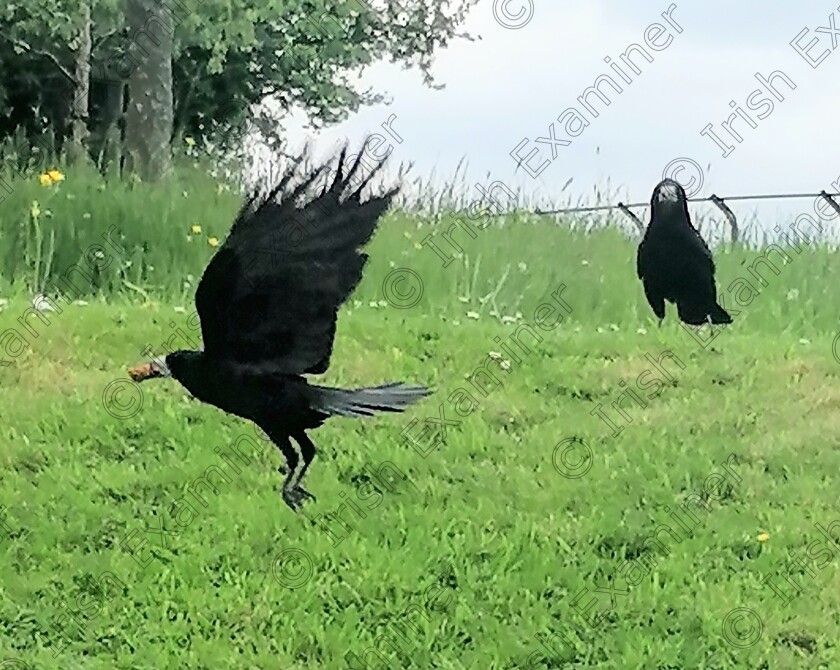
{"type": "Point", "coordinates": [294, 496]}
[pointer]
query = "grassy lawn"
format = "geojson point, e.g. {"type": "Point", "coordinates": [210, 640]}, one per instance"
{"type": "Point", "coordinates": [584, 488]}
{"type": "Point", "coordinates": [533, 534]}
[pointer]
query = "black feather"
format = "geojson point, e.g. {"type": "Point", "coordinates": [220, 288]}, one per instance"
{"type": "Point", "coordinates": [674, 262]}
{"type": "Point", "coordinates": [268, 304]}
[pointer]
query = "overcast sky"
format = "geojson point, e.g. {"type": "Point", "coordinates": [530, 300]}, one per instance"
{"type": "Point", "coordinates": [514, 83]}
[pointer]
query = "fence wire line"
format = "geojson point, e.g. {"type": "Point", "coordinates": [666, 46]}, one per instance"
{"type": "Point", "coordinates": [711, 198]}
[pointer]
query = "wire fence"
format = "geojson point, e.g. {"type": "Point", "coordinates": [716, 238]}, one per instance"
{"type": "Point", "coordinates": [718, 201]}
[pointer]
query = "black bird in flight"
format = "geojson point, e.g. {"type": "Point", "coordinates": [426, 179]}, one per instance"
{"type": "Point", "coordinates": [674, 262]}
{"type": "Point", "coordinates": [268, 303]}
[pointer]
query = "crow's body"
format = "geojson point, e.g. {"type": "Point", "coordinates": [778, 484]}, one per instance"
{"type": "Point", "coordinates": [674, 262]}
{"type": "Point", "coordinates": [268, 304]}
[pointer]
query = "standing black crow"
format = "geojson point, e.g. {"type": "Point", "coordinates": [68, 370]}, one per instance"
{"type": "Point", "coordinates": [268, 304]}
{"type": "Point", "coordinates": [674, 262]}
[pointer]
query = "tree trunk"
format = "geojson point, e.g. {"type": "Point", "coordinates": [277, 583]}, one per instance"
{"type": "Point", "coordinates": [148, 119]}
{"type": "Point", "coordinates": [110, 154]}
{"type": "Point", "coordinates": [81, 72]}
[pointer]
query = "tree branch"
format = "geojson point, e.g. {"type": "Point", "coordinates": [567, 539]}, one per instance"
{"type": "Point", "coordinates": [104, 38]}
{"type": "Point", "coordinates": [38, 52]}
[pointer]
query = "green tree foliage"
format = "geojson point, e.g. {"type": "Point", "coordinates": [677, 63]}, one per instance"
{"type": "Point", "coordinates": [227, 55]}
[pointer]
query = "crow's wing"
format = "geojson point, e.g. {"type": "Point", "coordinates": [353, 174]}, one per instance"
{"type": "Point", "coordinates": [700, 267]}
{"type": "Point", "coordinates": [653, 292]}
{"type": "Point", "coordinates": [683, 244]}
{"type": "Point", "coordinates": [641, 257]}
{"type": "Point", "coordinates": [270, 297]}
{"type": "Point", "coordinates": [700, 249]}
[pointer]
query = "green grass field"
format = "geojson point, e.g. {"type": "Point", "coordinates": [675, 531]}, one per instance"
{"type": "Point", "coordinates": [532, 534]}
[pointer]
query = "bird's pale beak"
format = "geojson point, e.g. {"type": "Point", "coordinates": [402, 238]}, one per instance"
{"type": "Point", "coordinates": [667, 193]}
{"type": "Point", "coordinates": [146, 371]}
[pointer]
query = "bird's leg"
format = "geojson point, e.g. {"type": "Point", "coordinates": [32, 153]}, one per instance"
{"type": "Point", "coordinates": [306, 454]}
{"type": "Point", "coordinates": [292, 454]}
{"type": "Point", "coordinates": [298, 456]}
{"type": "Point", "coordinates": [294, 495]}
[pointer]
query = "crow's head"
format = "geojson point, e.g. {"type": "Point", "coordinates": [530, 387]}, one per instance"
{"type": "Point", "coordinates": [190, 368]}
{"type": "Point", "coordinates": [668, 203]}
{"type": "Point", "coordinates": [668, 192]}
{"type": "Point", "coordinates": [156, 367]}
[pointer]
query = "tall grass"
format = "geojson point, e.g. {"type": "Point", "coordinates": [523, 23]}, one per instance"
{"type": "Point", "coordinates": [44, 230]}
{"type": "Point", "coordinates": [500, 269]}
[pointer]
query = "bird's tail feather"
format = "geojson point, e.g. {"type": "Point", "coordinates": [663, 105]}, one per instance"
{"type": "Point", "coordinates": [393, 397]}
{"type": "Point", "coordinates": [696, 315]}
{"type": "Point", "coordinates": [720, 315]}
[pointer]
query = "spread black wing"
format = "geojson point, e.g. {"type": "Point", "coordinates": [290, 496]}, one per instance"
{"type": "Point", "coordinates": [270, 297]}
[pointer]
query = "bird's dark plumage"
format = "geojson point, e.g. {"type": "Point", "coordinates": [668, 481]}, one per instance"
{"type": "Point", "coordinates": [674, 262]}
{"type": "Point", "coordinates": [268, 304]}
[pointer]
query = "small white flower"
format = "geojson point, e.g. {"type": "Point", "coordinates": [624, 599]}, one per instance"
{"type": "Point", "coordinates": [793, 294]}
{"type": "Point", "coordinates": [372, 303]}
{"type": "Point", "coordinates": [599, 329]}
{"type": "Point", "coordinates": [41, 303]}
{"type": "Point", "coordinates": [464, 299]}
{"type": "Point", "coordinates": [509, 319]}
{"type": "Point", "coordinates": [804, 341]}
{"type": "Point", "coordinates": [472, 315]}
{"type": "Point", "coordinates": [584, 262]}
{"type": "Point", "coordinates": [80, 303]}
{"type": "Point", "coordinates": [496, 356]}
{"type": "Point", "coordinates": [382, 303]}
{"type": "Point", "coordinates": [179, 310]}
{"type": "Point", "coordinates": [523, 267]}
{"type": "Point", "coordinates": [613, 328]}
{"type": "Point", "coordinates": [641, 331]}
